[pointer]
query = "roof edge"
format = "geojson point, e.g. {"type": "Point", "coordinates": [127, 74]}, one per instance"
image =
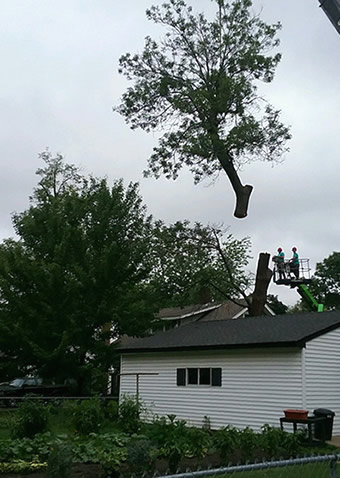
{"type": "Point", "coordinates": [324, 331]}
{"type": "Point", "coordinates": [189, 348]}
{"type": "Point", "coordinates": [191, 314]}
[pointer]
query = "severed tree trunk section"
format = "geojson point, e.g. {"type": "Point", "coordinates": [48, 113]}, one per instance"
{"type": "Point", "coordinates": [242, 192]}
{"type": "Point", "coordinates": [263, 278]}
{"type": "Point", "coordinates": [242, 200]}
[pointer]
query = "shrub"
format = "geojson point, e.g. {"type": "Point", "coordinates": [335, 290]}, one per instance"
{"type": "Point", "coordinates": [248, 444]}
{"type": "Point", "coordinates": [226, 440]}
{"type": "Point", "coordinates": [60, 462]}
{"type": "Point", "coordinates": [171, 438]}
{"type": "Point", "coordinates": [140, 456]}
{"type": "Point", "coordinates": [88, 416]}
{"type": "Point", "coordinates": [111, 461]}
{"type": "Point", "coordinates": [278, 443]}
{"type": "Point", "coordinates": [31, 418]}
{"type": "Point", "coordinates": [199, 442]}
{"type": "Point", "coordinates": [129, 413]}
{"type": "Point", "coordinates": [111, 410]}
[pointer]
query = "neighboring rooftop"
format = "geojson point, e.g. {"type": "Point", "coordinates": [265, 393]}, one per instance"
{"type": "Point", "coordinates": [209, 311]}
{"type": "Point", "coordinates": [266, 331]}
{"type": "Point", "coordinates": [173, 313]}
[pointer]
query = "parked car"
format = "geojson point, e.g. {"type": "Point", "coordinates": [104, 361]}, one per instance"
{"type": "Point", "coordinates": [21, 387]}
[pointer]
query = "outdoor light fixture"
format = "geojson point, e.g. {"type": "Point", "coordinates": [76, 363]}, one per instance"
{"type": "Point", "coordinates": [332, 10]}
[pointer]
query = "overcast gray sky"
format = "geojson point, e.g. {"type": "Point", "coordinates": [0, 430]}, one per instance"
{"type": "Point", "coordinates": [58, 84]}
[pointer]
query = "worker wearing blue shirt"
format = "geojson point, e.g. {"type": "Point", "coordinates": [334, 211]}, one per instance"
{"type": "Point", "coordinates": [294, 263]}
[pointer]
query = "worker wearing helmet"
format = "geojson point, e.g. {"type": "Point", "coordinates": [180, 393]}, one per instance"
{"type": "Point", "coordinates": [294, 263]}
{"type": "Point", "coordinates": [281, 263]}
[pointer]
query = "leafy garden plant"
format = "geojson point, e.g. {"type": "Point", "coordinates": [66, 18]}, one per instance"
{"type": "Point", "coordinates": [31, 418]}
{"type": "Point", "coordinates": [141, 454]}
{"type": "Point", "coordinates": [111, 410]}
{"type": "Point", "coordinates": [88, 416]}
{"type": "Point", "coordinates": [129, 413]}
{"type": "Point", "coordinates": [22, 466]}
{"type": "Point", "coordinates": [60, 461]}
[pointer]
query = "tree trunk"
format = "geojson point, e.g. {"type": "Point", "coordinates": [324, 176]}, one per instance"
{"type": "Point", "coordinates": [263, 278]}
{"type": "Point", "coordinates": [242, 201]}
{"type": "Point", "coordinates": [242, 192]}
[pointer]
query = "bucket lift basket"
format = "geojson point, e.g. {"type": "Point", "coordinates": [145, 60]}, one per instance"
{"type": "Point", "coordinates": [283, 275]}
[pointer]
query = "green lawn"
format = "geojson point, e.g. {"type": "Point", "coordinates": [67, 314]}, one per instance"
{"type": "Point", "coordinates": [312, 470]}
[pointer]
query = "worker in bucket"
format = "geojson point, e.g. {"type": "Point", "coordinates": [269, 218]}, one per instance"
{"type": "Point", "coordinates": [280, 261]}
{"type": "Point", "coordinates": [294, 263]}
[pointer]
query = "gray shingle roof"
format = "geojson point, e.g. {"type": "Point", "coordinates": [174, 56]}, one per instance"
{"type": "Point", "coordinates": [280, 330]}
{"type": "Point", "coordinates": [188, 310]}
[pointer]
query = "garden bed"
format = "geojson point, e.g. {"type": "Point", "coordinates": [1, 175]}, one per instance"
{"type": "Point", "coordinates": [130, 447]}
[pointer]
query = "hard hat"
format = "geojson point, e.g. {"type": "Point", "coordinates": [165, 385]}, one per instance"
{"type": "Point", "coordinates": [294, 249]}
{"type": "Point", "coordinates": [279, 249]}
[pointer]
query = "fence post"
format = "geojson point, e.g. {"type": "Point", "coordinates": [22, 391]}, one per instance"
{"type": "Point", "coordinates": [332, 471]}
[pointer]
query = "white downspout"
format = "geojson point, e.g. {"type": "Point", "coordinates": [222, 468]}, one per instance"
{"type": "Point", "coordinates": [303, 377]}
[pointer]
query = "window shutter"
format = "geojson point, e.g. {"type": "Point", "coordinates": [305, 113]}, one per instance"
{"type": "Point", "coordinates": [181, 376]}
{"type": "Point", "coordinates": [216, 377]}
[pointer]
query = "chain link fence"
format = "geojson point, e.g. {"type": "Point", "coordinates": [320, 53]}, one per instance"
{"type": "Point", "coordinates": [309, 467]}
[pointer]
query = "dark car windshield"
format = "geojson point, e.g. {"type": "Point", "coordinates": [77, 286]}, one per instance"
{"type": "Point", "coordinates": [18, 382]}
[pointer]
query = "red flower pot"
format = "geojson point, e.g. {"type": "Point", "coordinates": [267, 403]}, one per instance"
{"type": "Point", "coordinates": [298, 414]}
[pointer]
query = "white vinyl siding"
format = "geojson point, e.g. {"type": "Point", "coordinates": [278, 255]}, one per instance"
{"type": "Point", "coordinates": [322, 369]}
{"type": "Point", "coordinates": [256, 385]}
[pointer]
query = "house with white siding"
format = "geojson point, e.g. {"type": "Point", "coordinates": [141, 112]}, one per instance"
{"type": "Point", "coordinates": [241, 372]}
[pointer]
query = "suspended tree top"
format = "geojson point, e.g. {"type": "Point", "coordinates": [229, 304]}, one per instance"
{"type": "Point", "coordinates": [199, 84]}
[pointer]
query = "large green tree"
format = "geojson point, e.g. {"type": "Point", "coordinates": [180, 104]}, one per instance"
{"type": "Point", "coordinates": [200, 84]}
{"type": "Point", "coordinates": [326, 284]}
{"type": "Point", "coordinates": [77, 266]}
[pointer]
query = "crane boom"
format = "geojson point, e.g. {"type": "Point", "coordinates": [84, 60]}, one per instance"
{"type": "Point", "coordinates": [308, 298]}
{"type": "Point", "coordinates": [332, 10]}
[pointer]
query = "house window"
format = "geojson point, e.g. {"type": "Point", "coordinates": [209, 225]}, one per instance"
{"type": "Point", "coordinates": [192, 374]}
{"type": "Point", "coordinates": [205, 376]}
{"type": "Point", "coordinates": [199, 376]}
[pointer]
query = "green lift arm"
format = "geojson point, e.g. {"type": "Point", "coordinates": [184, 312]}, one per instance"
{"type": "Point", "coordinates": [308, 298]}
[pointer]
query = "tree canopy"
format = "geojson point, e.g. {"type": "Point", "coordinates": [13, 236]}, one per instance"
{"type": "Point", "coordinates": [326, 284]}
{"type": "Point", "coordinates": [200, 84]}
{"type": "Point", "coordinates": [197, 264]}
{"type": "Point", "coordinates": [77, 266]}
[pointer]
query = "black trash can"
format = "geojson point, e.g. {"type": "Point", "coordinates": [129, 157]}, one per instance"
{"type": "Point", "coordinates": [323, 430]}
